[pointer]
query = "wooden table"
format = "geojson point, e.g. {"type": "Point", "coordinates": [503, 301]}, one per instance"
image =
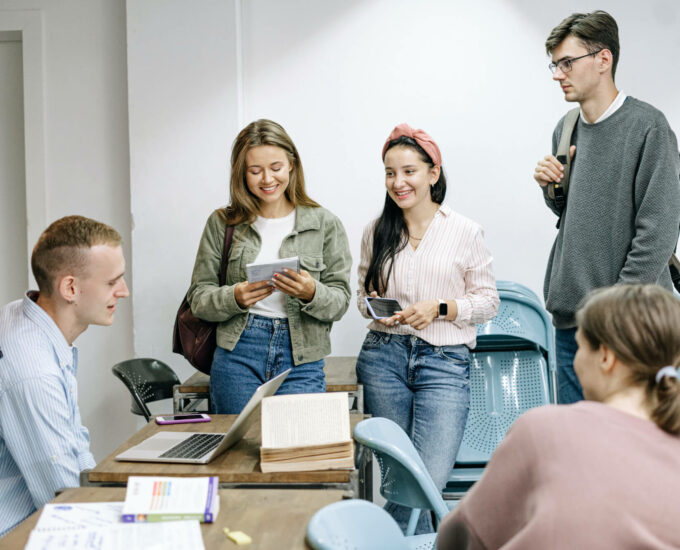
{"type": "Point", "coordinates": [273, 518]}
{"type": "Point", "coordinates": [239, 466]}
{"type": "Point", "coordinates": [340, 376]}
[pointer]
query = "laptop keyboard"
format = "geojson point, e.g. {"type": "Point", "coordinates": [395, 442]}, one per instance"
{"type": "Point", "coordinates": [195, 446]}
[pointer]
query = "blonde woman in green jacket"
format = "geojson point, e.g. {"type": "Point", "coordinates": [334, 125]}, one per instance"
{"type": "Point", "coordinates": [266, 327]}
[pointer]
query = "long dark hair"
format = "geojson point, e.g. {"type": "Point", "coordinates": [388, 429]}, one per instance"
{"type": "Point", "coordinates": [390, 234]}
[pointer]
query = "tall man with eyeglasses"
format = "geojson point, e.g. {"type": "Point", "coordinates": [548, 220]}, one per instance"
{"type": "Point", "coordinates": [620, 222]}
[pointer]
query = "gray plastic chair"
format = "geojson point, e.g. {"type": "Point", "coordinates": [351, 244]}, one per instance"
{"type": "Point", "coordinates": [147, 380]}
{"type": "Point", "coordinates": [360, 525]}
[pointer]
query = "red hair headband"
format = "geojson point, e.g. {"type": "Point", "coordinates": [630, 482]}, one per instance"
{"type": "Point", "coordinates": [421, 137]}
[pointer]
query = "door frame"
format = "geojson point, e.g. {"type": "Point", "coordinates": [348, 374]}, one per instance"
{"type": "Point", "coordinates": [26, 26]}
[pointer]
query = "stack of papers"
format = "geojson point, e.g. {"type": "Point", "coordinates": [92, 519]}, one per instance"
{"type": "Point", "coordinates": [97, 526]}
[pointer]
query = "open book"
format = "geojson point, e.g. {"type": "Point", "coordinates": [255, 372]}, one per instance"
{"type": "Point", "coordinates": [303, 432]}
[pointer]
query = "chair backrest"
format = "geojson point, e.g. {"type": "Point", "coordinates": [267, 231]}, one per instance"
{"type": "Point", "coordinates": [354, 525]}
{"type": "Point", "coordinates": [518, 288]}
{"type": "Point", "coordinates": [512, 370]}
{"type": "Point", "coordinates": [521, 322]}
{"type": "Point", "coordinates": [404, 477]}
{"type": "Point", "coordinates": [147, 380]}
{"type": "Point", "coordinates": [503, 385]}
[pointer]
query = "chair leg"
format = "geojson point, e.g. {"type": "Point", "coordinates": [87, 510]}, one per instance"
{"type": "Point", "coordinates": [412, 522]}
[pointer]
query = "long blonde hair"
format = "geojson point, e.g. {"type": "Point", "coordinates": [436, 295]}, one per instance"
{"type": "Point", "coordinates": [244, 206]}
{"type": "Point", "coordinates": [641, 325]}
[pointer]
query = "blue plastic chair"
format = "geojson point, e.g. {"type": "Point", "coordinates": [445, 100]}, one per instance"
{"type": "Point", "coordinates": [517, 287]}
{"type": "Point", "coordinates": [512, 370]}
{"type": "Point", "coordinates": [521, 322]}
{"type": "Point", "coordinates": [404, 479]}
{"type": "Point", "coordinates": [360, 525]}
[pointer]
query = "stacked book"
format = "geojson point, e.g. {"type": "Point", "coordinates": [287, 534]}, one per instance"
{"type": "Point", "coordinates": [303, 432]}
{"type": "Point", "coordinates": [171, 499]}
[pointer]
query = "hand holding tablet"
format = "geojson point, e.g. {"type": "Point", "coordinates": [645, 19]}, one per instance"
{"type": "Point", "coordinates": [267, 271]}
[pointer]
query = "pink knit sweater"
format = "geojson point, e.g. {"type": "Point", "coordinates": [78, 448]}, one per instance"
{"type": "Point", "coordinates": [582, 476]}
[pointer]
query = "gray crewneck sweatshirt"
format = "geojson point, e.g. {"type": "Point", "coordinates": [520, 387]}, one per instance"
{"type": "Point", "coordinates": [623, 209]}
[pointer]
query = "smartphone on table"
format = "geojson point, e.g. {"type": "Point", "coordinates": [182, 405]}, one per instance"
{"type": "Point", "coordinates": [182, 418]}
{"type": "Point", "coordinates": [382, 308]}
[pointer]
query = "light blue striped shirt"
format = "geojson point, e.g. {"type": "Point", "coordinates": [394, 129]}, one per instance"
{"type": "Point", "coordinates": [43, 444]}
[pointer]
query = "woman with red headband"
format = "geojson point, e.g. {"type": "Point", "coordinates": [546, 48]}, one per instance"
{"type": "Point", "coordinates": [414, 365]}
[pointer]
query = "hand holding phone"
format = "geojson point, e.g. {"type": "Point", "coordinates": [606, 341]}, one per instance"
{"type": "Point", "coordinates": [182, 418]}
{"type": "Point", "coordinates": [381, 308]}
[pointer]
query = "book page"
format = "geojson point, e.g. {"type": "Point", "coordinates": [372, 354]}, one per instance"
{"type": "Point", "coordinates": [305, 419]}
{"type": "Point", "coordinates": [173, 535]}
{"type": "Point", "coordinates": [309, 465]}
{"type": "Point", "coordinates": [79, 515]}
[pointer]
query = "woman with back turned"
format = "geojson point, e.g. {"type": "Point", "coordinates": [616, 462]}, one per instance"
{"type": "Point", "coordinates": [602, 473]}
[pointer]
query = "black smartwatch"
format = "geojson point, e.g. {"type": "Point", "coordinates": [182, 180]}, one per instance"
{"type": "Point", "coordinates": [443, 308]}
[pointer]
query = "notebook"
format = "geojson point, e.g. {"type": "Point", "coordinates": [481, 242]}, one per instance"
{"type": "Point", "coordinates": [201, 447]}
{"type": "Point", "coordinates": [266, 272]}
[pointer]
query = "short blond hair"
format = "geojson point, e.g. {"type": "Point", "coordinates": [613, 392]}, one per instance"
{"type": "Point", "coordinates": [62, 246]}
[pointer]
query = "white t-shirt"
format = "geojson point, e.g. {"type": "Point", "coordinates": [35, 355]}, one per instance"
{"type": "Point", "coordinates": [272, 231]}
{"type": "Point", "coordinates": [613, 107]}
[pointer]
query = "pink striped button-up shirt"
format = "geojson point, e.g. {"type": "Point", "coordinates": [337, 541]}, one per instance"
{"type": "Point", "coordinates": [452, 262]}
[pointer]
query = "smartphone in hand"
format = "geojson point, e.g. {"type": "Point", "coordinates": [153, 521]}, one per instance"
{"type": "Point", "coordinates": [382, 308]}
{"type": "Point", "coordinates": [182, 418]}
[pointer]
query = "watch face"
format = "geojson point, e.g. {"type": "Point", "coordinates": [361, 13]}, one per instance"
{"type": "Point", "coordinates": [443, 309]}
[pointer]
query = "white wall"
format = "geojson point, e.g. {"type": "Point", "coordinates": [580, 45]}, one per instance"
{"type": "Point", "coordinates": [183, 117]}
{"type": "Point", "coordinates": [87, 172]}
{"type": "Point", "coordinates": [339, 76]}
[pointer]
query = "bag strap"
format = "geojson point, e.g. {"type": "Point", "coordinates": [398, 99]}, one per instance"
{"type": "Point", "coordinates": [558, 191]}
{"type": "Point", "coordinates": [674, 267]}
{"type": "Point", "coordinates": [228, 235]}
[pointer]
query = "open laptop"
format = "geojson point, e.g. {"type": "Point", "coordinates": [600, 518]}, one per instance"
{"type": "Point", "coordinates": [201, 447]}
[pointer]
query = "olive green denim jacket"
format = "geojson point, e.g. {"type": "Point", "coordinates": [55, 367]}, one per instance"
{"type": "Point", "coordinates": [318, 239]}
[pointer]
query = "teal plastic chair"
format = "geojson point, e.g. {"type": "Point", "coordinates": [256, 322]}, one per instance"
{"type": "Point", "coordinates": [512, 370]}
{"type": "Point", "coordinates": [360, 525]}
{"type": "Point", "coordinates": [404, 479]}
{"type": "Point", "coordinates": [517, 287]}
{"type": "Point", "coordinates": [521, 323]}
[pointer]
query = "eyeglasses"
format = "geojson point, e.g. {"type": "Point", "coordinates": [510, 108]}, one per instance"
{"type": "Point", "coordinates": [564, 65]}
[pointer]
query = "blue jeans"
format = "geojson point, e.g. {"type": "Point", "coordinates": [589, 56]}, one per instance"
{"type": "Point", "coordinates": [262, 352]}
{"type": "Point", "coordinates": [568, 386]}
{"type": "Point", "coordinates": [425, 389]}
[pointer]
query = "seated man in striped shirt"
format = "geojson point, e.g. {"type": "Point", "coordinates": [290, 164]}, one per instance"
{"type": "Point", "coordinates": [78, 264]}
